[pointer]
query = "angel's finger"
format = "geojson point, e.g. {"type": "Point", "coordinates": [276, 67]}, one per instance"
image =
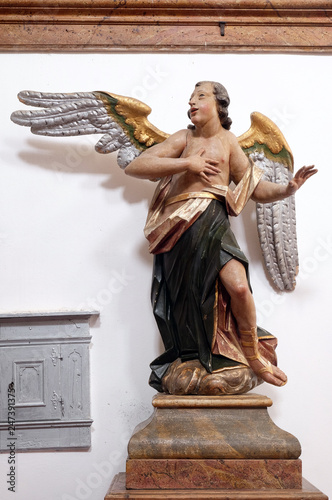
{"type": "Point", "coordinates": [300, 171]}
{"type": "Point", "coordinates": [309, 171]}
{"type": "Point", "coordinates": [212, 169]}
{"type": "Point", "coordinates": [205, 177]}
{"type": "Point", "coordinates": [211, 162]}
{"type": "Point", "coordinates": [310, 167]}
{"type": "Point", "coordinates": [310, 174]}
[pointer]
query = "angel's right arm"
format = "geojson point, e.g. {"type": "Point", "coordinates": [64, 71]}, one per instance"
{"type": "Point", "coordinates": [161, 159]}
{"type": "Point", "coordinates": [164, 159]}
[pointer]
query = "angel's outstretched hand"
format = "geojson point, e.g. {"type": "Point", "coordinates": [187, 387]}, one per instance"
{"type": "Point", "coordinates": [299, 178]}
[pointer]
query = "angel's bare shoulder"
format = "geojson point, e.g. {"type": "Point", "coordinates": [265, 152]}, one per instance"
{"type": "Point", "coordinates": [230, 138]}
{"type": "Point", "coordinates": [172, 147]}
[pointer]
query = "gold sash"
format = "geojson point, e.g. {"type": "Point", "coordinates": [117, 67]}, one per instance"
{"type": "Point", "coordinates": [188, 196]}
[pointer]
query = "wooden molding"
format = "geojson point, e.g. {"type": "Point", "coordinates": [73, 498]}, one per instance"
{"type": "Point", "coordinates": [166, 25]}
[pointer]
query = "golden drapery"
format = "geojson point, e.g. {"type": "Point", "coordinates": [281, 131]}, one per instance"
{"type": "Point", "coordinates": [163, 232]}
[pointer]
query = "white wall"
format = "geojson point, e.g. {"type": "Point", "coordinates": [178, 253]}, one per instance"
{"type": "Point", "coordinates": [70, 221]}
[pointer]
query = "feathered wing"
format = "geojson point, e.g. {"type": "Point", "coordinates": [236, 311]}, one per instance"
{"type": "Point", "coordinates": [276, 222]}
{"type": "Point", "coordinates": [122, 120]}
{"type": "Point", "coordinates": [124, 126]}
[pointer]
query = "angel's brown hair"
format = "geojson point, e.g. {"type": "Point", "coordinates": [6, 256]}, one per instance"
{"type": "Point", "coordinates": [222, 100]}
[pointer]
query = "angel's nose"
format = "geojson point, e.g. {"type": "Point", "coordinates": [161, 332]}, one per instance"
{"type": "Point", "coordinates": [191, 102]}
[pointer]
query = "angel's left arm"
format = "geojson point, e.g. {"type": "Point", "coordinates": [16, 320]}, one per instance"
{"type": "Point", "coordinates": [267, 192]}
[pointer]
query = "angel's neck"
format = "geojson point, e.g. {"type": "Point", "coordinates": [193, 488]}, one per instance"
{"type": "Point", "coordinates": [208, 130]}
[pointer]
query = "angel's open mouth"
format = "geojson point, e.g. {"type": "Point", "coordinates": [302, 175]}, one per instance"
{"type": "Point", "coordinates": [193, 110]}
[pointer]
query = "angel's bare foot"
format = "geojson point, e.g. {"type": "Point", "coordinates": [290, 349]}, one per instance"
{"type": "Point", "coordinates": [264, 369]}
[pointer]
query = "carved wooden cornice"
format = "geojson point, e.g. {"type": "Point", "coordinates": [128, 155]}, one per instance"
{"type": "Point", "coordinates": [166, 25]}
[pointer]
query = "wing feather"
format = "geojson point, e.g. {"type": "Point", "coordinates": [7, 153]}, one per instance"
{"type": "Point", "coordinates": [276, 225]}
{"type": "Point", "coordinates": [276, 222]}
{"type": "Point", "coordinates": [122, 120]}
{"type": "Point", "coordinates": [265, 137]}
{"type": "Point", "coordinates": [284, 230]}
{"type": "Point", "coordinates": [265, 225]}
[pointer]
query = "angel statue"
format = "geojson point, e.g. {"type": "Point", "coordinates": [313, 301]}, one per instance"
{"type": "Point", "coordinates": [201, 294]}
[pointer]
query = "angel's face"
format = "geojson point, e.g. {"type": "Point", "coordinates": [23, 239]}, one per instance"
{"type": "Point", "coordinates": [203, 105]}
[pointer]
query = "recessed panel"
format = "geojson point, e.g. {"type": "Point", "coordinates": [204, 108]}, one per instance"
{"type": "Point", "coordinates": [29, 383]}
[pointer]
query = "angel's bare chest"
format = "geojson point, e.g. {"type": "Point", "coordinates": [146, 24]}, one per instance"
{"type": "Point", "coordinates": [213, 149]}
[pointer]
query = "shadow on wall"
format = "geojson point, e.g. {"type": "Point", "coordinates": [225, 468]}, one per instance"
{"type": "Point", "coordinates": [79, 157]}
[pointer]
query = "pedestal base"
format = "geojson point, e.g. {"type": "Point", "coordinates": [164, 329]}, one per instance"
{"type": "Point", "coordinates": [209, 448]}
{"type": "Point", "coordinates": [212, 427]}
{"type": "Point", "coordinates": [118, 491]}
{"type": "Point", "coordinates": [202, 474]}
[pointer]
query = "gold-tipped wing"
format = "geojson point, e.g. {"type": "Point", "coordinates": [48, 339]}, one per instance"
{"type": "Point", "coordinates": [264, 136]}
{"type": "Point", "coordinates": [122, 120]}
{"type": "Point", "coordinates": [125, 128]}
{"type": "Point", "coordinates": [265, 144]}
{"type": "Point", "coordinates": [133, 115]}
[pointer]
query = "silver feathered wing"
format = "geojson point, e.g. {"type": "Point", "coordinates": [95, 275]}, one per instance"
{"type": "Point", "coordinates": [122, 120]}
{"type": "Point", "coordinates": [276, 222]}
{"type": "Point", "coordinates": [124, 126]}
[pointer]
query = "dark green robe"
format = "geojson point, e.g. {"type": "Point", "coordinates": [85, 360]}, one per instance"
{"type": "Point", "coordinates": [183, 291]}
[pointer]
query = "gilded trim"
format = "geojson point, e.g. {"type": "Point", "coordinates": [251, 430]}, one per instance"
{"type": "Point", "coordinates": [188, 196]}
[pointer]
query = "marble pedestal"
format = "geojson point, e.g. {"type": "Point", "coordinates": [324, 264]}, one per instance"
{"type": "Point", "coordinates": [118, 491]}
{"type": "Point", "coordinates": [212, 447]}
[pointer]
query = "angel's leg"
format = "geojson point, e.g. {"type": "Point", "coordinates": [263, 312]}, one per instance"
{"type": "Point", "coordinates": [233, 277]}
